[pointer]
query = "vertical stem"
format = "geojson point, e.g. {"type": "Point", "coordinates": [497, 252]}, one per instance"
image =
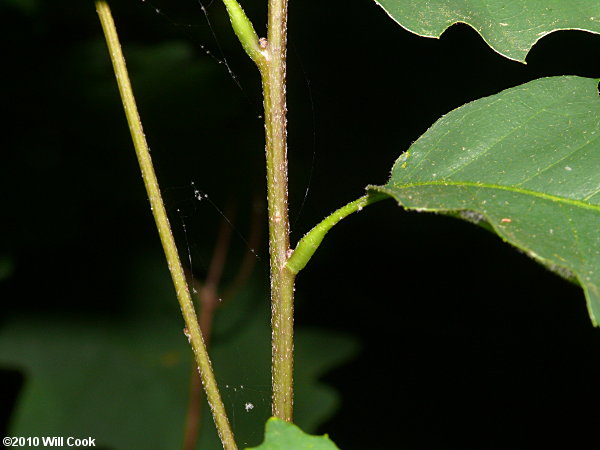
{"type": "Point", "coordinates": [269, 55]}
{"type": "Point", "coordinates": [164, 229]}
{"type": "Point", "coordinates": [282, 279]}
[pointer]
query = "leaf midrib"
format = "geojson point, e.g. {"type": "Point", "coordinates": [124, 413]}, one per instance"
{"type": "Point", "coordinates": [512, 189]}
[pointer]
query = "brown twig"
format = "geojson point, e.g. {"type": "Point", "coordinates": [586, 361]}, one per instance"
{"type": "Point", "coordinates": [208, 295]}
{"type": "Point", "coordinates": [249, 260]}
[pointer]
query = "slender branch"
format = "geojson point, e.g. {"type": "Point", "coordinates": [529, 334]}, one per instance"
{"type": "Point", "coordinates": [282, 279]}
{"type": "Point", "coordinates": [310, 242]}
{"type": "Point", "coordinates": [164, 230]}
{"type": "Point", "coordinates": [244, 30]}
{"type": "Point", "coordinates": [270, 57]}
{"type": "Point", "coordinates": [249, 260]}
{"type": "Point", "coordinates": [193, 416]}
{"type": "Point", "coordinates": [209, 301]}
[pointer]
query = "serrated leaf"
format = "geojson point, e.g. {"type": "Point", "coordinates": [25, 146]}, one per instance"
{"type": "Point", "coordinates": [510, 27]}
{"type": "Point", "coordinates": [280, 435]}
{"type": "Point", "coordinates": [526, 161]}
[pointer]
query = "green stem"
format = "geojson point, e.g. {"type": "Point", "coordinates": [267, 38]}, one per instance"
{"type": "Point", "coordinates": [164, 229]}
{"type": "Point", "coordinates": [310, 242]}
{"type": "Point", "coordinates": [270, 58]}
{"type": "Point", "coordinates": [282, 279]}
{"type": "Point", "coordinates": [243, 28]}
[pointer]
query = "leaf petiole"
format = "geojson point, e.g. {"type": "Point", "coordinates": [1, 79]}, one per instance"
{"type": "Point", "coordinates": [310, 242]}
{"type": "Point", "coordinates": [244, 30]}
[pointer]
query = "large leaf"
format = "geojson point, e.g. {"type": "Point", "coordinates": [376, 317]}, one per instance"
{"type": "Point", "coordinates": [125, 380]}
{"type": "Point", "coordinates": [510, 27]}
{"type": "Point", "coordinates": [527, 162]}
{"type": "Point", "coordinates": [280, 435]}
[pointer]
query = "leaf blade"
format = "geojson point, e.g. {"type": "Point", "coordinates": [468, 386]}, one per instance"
{"type": "Point", "coordinates": [525, 161]}
{"type": "Point", "coordinates": [280, 435]}
{"type": "Point", "coordinates": [510, 28]}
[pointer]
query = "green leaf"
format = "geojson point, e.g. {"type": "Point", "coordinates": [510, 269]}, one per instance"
{"type": "Point", "coordinates": [280, 435]}
{"type": "Point", "coordinates": [108, 377]}
{"type": "Point", "coordinates": [510, 28]}
{"type": "Point", "coordinates": [527, 162]}
{"type": "Point", "coordinates": [100, 378]}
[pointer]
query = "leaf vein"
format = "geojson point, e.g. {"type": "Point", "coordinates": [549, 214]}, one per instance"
{"type": "Point", "coordinates": [513, 189]}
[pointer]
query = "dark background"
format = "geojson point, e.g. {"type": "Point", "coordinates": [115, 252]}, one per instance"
{"type": "Point", "coordinates": [466, 343]}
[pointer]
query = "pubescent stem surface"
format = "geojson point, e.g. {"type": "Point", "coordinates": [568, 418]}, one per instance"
{"type": "Point", "coordinates": [270, 57]}
{"type": "Point", "coordinates": [164, 229]}
{"type": "Point", "coordinates": [244, 30]}
{"type": "Point", "coordinates": [282, 279]}
{"type": "Point", "coordinates": [310, 242]}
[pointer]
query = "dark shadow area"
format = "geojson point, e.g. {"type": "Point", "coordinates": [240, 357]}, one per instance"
{"type": "Point", "coordinates": [466, 343]}
{"type": "Point", "coordinates": [11, 382]}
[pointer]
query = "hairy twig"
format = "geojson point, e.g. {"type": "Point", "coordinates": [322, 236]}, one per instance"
{"type": "Point", "coordinates": [164, 229]}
